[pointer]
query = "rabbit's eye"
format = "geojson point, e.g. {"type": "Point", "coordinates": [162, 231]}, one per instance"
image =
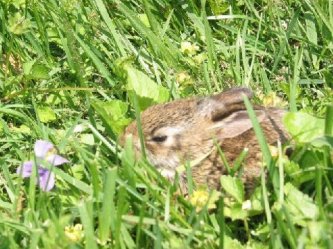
{"type": "Point", "coordinates": [159, 139]}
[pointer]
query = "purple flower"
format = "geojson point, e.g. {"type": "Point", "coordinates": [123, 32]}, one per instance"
{"type": "Point", "coordinates": [44, 152]}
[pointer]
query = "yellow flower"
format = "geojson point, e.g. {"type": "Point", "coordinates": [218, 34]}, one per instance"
{"type": "Point", "coordinates": [74, 233]}
{"type": "Point", "coordinates": [188, 48]}
{"type": "Point", "coordinates": [271, 99]}
{"type": "Point", "coordinates": [274, 151]}
{"type": "Point", "coordinates": [202, 197]}
{"type": "Point", "coordinates": [199, 58]}
{"type": "Point", "coordinates": [183, 78]}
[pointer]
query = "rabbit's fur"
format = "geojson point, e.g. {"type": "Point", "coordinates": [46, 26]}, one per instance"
{"type": "Point", "coordinates": [188, 130]}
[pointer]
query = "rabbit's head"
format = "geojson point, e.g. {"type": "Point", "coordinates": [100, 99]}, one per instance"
{"type": "Point", "coordinates": [188, 129]}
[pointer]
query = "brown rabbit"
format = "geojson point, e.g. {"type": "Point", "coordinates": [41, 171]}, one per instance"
{"type": "Point", "coordinates": [185, 130]}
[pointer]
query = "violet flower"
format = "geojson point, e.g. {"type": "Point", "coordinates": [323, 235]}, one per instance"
{"type": "Point", "coordinates": [44, 152]}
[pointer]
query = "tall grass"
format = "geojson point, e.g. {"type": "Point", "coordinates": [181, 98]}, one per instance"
{"type": "Point", "coordinates": [62, 79]}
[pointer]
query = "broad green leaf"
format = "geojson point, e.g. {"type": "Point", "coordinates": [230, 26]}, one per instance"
{"type": "Point", "coordinates": [304, 169]}
{"type": "Point", "coordinates": [27, 67]}
{"type": "Point", "coordinates": [248, 208]}
{"type": "Point", "coordinates": [234, 187]}
{"type": "Point", "coordinates": [146, 89]}
{"type": "Point", "coordinates": [138, 83]}
{"type": "Point", "coordinates": [113, 114]}
{"type": "Point", "coordinates": [323, 141]}
{"type": "Point", "coordinates": [253, 244]}
{"type": "Point", "coordinates": [46, 114]}
{"type": "Point", "coordinates": [235, 212]}
{"type": "Point", "coordinates": [18, 24]}
{"type": "Point", "coordinates": [21, 129]}
{"type": "Point", "coordinates": [316, 230]}
{"type": "Point", "coordinates": [293, 170]}
{"type": "Point", "coordinates": [218, 6]}
{"type": "Point", "coordinates": [304, 127]}
{"type": "Point", "coordinates": [78, 171]}
{"type": "Point", "coordinates": [257, 205]}
{"type": "Point", "coordinates": [39, 71]}
{"type": "Point", "coordinates": [261, 232]}
{"type": "Point", "coordinates": [87, 139]}
{"type": "Point", "coordinates": [18, 3]}
{"type": "Point", "coordinates": [34, 70]}
{"type": "Point", "coordinates": [173, 241]}
{"type": "Point", "coordinates": [300, 206]}
{"type": "Point", "coordinates": [232, 243]}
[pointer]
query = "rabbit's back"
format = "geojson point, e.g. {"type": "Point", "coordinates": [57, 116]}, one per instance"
{"type": "Point", "coordinates": [212, 168]}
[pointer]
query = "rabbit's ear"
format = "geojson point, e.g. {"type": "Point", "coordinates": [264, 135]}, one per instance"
{"type": "Point", "coordinates": [233, 95]}
{"type": "Point", "coordinates": [236, 124]}
{"type": "Point", "coordinates": [222, 105]}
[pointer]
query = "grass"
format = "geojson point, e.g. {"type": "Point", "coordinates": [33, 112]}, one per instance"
{"type": "Point", "coordinates": [74, 73]}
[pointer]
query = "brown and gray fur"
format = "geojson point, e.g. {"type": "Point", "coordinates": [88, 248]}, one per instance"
{"type": "Point", "coordinates": [185, 130]}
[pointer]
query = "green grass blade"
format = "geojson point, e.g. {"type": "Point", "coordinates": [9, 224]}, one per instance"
{"type": "Point", "coordinates": [293, 86]}
{"type": "Point", "coordinates": [160, 49]}
{"type": "Point", "coordinates": [110, 24]}
{"type": "Point", "coordinates": [329, 121]}
{"type": "Point", "coordinates": [87, 222]}
{"type": "Point", "coordinates": [212, 58]}
{"type": "Point", "coordinates": [99, 64]}
{"type": "Point", "coordinates": [107, 215]}
{"type": "Point", "coordinates": [258, 131]}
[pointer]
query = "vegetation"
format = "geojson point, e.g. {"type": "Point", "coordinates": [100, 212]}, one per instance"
{"type": "Point", "coordinates": [72, 72]}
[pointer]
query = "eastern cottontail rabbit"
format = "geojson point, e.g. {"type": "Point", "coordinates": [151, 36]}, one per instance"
{"type": "Point", "coordinates": [185, 130]}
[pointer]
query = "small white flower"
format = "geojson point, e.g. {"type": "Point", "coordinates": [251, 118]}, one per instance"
{"type": "Point", "coordinates": [79, 128]}
{"type": "Point", "coordinates": [284, 24]}
{"type": "Point", "coordinates": [188, 48]}
{"type": "Point", "coordinates": [246, 205]}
